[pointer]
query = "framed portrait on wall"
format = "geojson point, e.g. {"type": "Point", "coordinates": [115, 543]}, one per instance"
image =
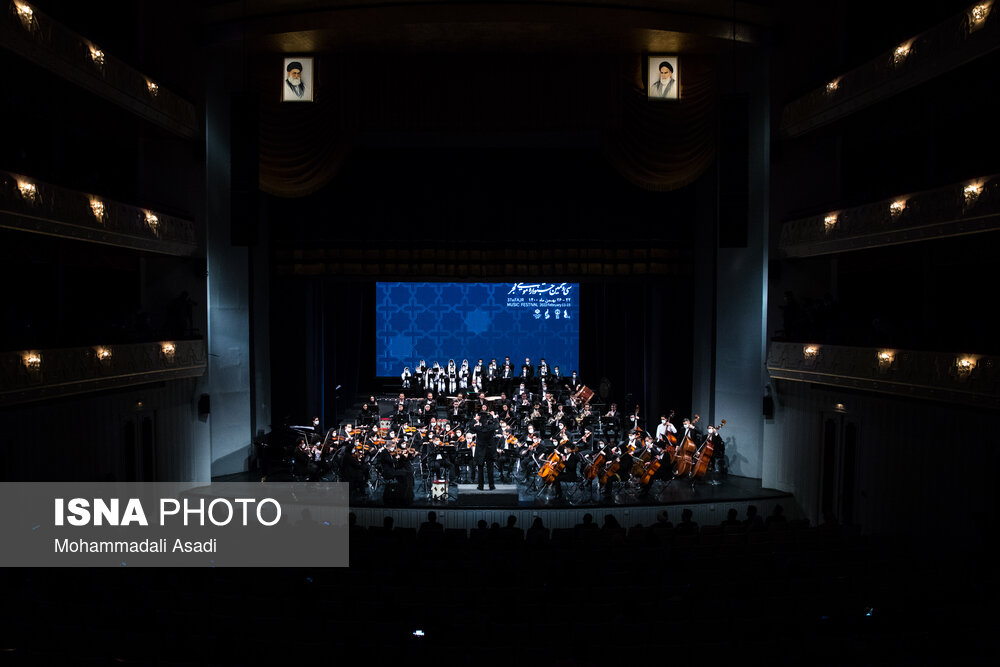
{"type": "Point", "coordinates": [298, 83]}
{"type": "Point", "coordinates": [664, 77]}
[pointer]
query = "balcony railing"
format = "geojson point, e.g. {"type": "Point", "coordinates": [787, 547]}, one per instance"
{"type": "Point", "coordinates": [963, 208]}
{"type": "Point", "coordinates": [971, 379]}
{"type": "Point", "coordinates": [34, 36]}
{"type": "Point", "coordinates": [32, 206]}
{"type": "Point", "coordinates": [33, 375]}
{"type": "Point", "coordinates": [965, 37]}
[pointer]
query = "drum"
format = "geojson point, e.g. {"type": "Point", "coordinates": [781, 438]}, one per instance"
{"type": "Point", "coordinates": [439, 489]}
{"type": "Point", "coordinates": [584, 393]}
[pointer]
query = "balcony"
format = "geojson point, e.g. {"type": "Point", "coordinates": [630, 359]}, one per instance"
{"type": "Point", "coordinates": [961, 39]}
{"type": "Point", "coordinates": [969, 207]}
{"type": "Point", "coordinates": [969, 379]}
{"type": "Point", "coordinates": [34, 36]}
{"type": "Point", "coordinates": [34, 375]}
{"type": "Point", "coordinates": [31, 206]}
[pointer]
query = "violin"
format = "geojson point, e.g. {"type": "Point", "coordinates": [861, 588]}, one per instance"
{"type": "Point", "coordinates": [705, 455]}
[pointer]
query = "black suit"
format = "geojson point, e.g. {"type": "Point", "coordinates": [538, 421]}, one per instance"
{"type": "Point", "coordinates": [486, 450]}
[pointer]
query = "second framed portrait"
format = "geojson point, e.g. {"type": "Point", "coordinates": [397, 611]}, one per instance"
{"type": "Point", "coordinates": [664, 77]}
{"type": "Point", "coordinates": [298, 84]}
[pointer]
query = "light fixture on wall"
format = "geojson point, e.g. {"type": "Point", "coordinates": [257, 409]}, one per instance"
{"type": "Point", "coordinates": [102, 353]}
{"type": "Point", "coordinates": [97, 208]}
{"type": "Point", "coordinates": [829, 222]}
{"type": "Point", "coordinates": [971, 192]}
{"type": "Point", "coordinates": [885, 359]}
{"type": "Point", "coordinates": [839, 407]}
{"type": "Point", "coordinates": [168, 350]}
{"type": "Point", "coordinates": [831, 87]}
{"type": "Point", "coordinates": [25, 13]}
{"type": "Point", "coordinates": [152, 222]}
{"type": "Point", "coordinates": [28, 190]}
{"type": "Point", "coordinates": [978, 15]}
{"type": "Point", "coordinates": [965, 366]}
{"type": "Point", "coordinates": [154, 89]}
{"type": "Point", "coordinates": [32, 361]}
{"type": "Point", "coordinates": [810, 351]}
{"type": "Point", "coordinates": [897, 207]}
{"type": "Point", "coordinates": [96, 56]}
{"type": "Point", "coordinates": [901, 53]}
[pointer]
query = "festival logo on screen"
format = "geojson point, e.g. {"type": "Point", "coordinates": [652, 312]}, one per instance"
{"type": "Point", "coordinates": [443, 321]}
{"type": "Point", "coordinates": [546, 300]}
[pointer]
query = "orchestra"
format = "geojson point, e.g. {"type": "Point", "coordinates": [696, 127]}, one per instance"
{"type": "Point", "coordinates": [465, 430]}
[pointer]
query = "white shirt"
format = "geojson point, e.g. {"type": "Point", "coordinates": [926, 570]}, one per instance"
{"type": "Point", "coordinates": [663, 429]}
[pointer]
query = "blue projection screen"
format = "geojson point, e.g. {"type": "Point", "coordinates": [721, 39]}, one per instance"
{"type": "Point", "coordinates": [442, 321]}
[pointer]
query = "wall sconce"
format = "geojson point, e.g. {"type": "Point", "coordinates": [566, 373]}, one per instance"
{"type": "Point", "coordinates": [972, 192]}
{"type": "Point", "coordinates": [27, 190]}
{"type": "Point", "coordinates": [829, 222]}
{"type": "Point", "coordinates": [32, 361]}
{"type": "Point", "coordinates": [840, 407]}
{"type": "Point", "coordinates": [810, 351]}
{"type": "Point", "coordinates": [102, 353]}
{"type": "Point", "coordinates": [978, 14]}
{"type": "Point", "coordinates": [832, 86]}
{"type": "Point", "coordinates": [152, 222]}
{"type": "Point", "coordinates": [900, 54]}
{"type": "Point", "coordinates": [97, 207]}
{"type": "Point", "coordinates": [896, 208]}
{"type": "Point", "coordinates": [25, 13]}
{"type": "Point", "coordinates": [96, 56]}
{"type": "Point", "coordinates": [965, 366]}
{"type": "Point", "coordinates": [168, 350]}
{"type": "Point", "coordinates": [885, 359]}
{"type": "Point", "coordinates": [154, 89]}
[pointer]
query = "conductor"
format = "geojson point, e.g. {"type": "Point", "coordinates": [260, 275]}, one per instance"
{"type": "Point", "coordinates": [485, 429]}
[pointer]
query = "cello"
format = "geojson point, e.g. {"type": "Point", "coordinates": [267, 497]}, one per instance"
{"type": "Point", "coordinates": [705, 455]}
{"type": "Point", "coordinates": [552, 466]}
{"type": "Point", "coordinates": [686, 451]}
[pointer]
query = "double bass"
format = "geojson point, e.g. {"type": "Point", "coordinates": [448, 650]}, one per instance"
{"type": "Point", "coordinates": [685, 452]}
{"type": "Point", "coordinates": [705, 456]}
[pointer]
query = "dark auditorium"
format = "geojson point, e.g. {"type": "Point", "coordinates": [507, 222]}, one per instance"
{"type": "Point", "coordinates": [576, 331]}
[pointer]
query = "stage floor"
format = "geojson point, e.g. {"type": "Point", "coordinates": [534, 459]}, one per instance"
{"type": "Point", "coordinates": [510, 495]}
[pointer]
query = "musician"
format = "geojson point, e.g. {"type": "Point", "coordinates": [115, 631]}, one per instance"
{"type": "Point", "coordinates": [571, 457]}
{"type": "Point", "coordinates": [719, 451]}
{"type": "Point", "coordinates": [477, 376]}
{"type": "Point", "coordinates": [405, 376]}
{"type": "Point", "coordinates": [556, 420]}
{"type": "Point", "coordinates": [399, 418]}
{"type": "Point", "coordinates": [486, 452]}
{"type": "Point", "coordinates": [367, 415]}
{"type": "Point", "coordinates": [664, 428]}
{"type": "Point", "coordinates": [418, 374]}
{"type": "Point", "coordinates": [506, 374]}
{"type": "Point", "coordinates": [317, 434]}
{"type": "Point", "coordinates": [573, 383]}
{"type": "Point", "coordinates": [522, 390]}
{"type": "Point", "coordinates": [555, 375]}
{"type": "Point", "coordinates": [401, 401]}
{"type": "Point", "coordinates": [402, 471]}
{"type": "Point", "coordinates": [430, 377]}
{"type": "Point", "coordinates": [463, 376]}
{"type": "Point", "coordinates": [527, 370]}
{"type": "Point", "coordinates": [634, 420]}
{"type": "Point", "coordinates": [354, 470]}
{"type": "Point", "coordinates": [441, 456]}
{"type": "Point", "coordinates": [625, 463]}
{"type": "Point", "coordinates": [586, 442]}
{"type": "Point", "coordinates": [506, 416]}
{"type": "Point", "coordinates": [452, 377]}
{"type": "Point", "coordinates": [456, 409]}
{"type": "Point", "coordinates": [492, 374]}
{"type": "Point", "coordinates": [442, 379]}
{"type": "Point", "coordinates": [427, 415]}
{"type": "Point", "coordinates": [543, 369]}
